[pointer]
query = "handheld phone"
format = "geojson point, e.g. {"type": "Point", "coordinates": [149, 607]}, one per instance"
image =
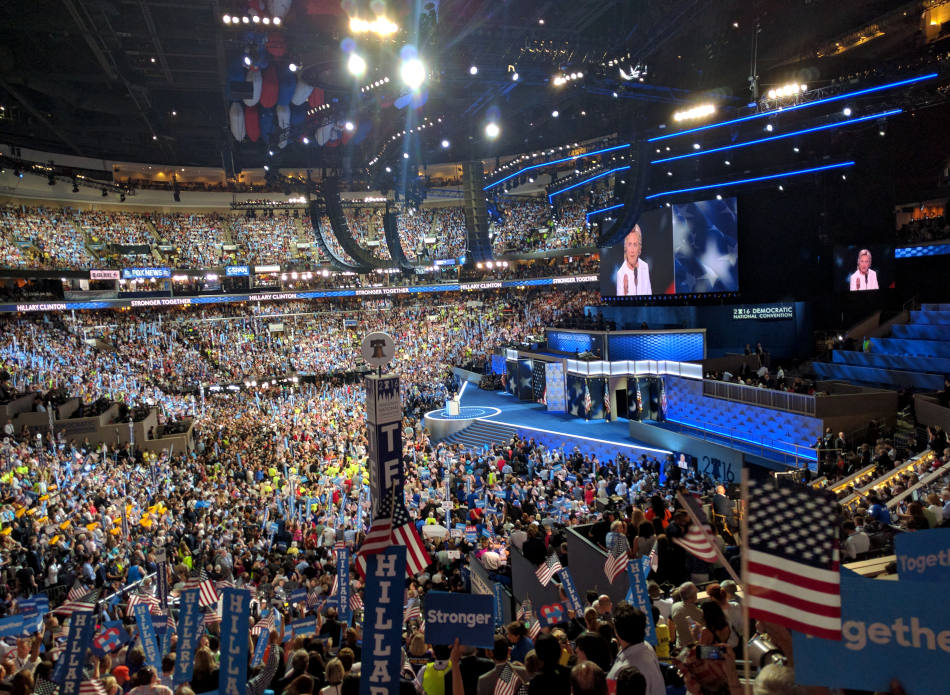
{"type": "Point", "coordinates": [710, 653]}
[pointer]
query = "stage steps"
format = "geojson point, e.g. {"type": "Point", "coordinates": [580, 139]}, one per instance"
{"type": "Point", "coordinates": [480, 433]}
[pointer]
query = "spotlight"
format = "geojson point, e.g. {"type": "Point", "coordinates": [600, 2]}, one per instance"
{"type": "Point", "coordinates": [227, 19]}
{"type": "Point", "coordinates": [246, 20]}
{"type": "Point", "coordinates": [781, 187]}
{"type": "Point", "coordinates": [695, 145]}
{"type": "Point", "coordinates": [266, 168]}
{"type": "Point", "coordinates": [694, 113]}
{"type": "Point", "coordinates": [769, 127]}
{"type": "Point", "coordinates": [847, 111]}
{"type": "Point", "coordinates": [306, 141]}
{"type": "Point", "coordinates": [727, 162]}
{"type": "Point", "coordinates": [292, 67]}
{"type": "Point", "coordinates": [615, 95]}
{"type": "Point", "coordinates": [256, 19]}
{"type": "Point", "coordinates": [718, 196]}
{"type": "Point", "coordinates": [276, 21]}
{"type": "Point", "coordinates": [266, 20]}
{"type": "Point", "coordinates": [555, 113]}
{"type": "Point", "coordinates": [356, 64]}
{"type": "Point", "coordinates": [349, 126]}
{"type": "Point", "coordinates": [413, 73]}
{"type": "Point", "coordinates": [445, 144]}
{"type": "Point", "coordinates": [492, 130]}
{"type": "Point", "coordinates": [473, 70]}
{"type": "Point", "coordinates": [514, 77]}
{"type": "Point", "coordinates": [389, 170]}
{"type": "Point", "coordinates": [405, 155]}
{"type": "Point", "coordinates": [247, 60]}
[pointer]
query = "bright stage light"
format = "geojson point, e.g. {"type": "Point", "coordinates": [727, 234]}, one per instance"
{"type": "Point", "coordinates": [695, 113]}
{"type": "Point", "coordinates": [381, 26]}
{"type": "Point", "coordinates": [445, 144]}
{"type": "Point", "coordinates": [349, 126]}
{"type": "Point", "coordinates": [492, 130]}
{"type": "Point", "coordinates": [292, 67]}
{"type": "Point", "coordinates": [356, 65]}
{"type": "Point", "coordinates": [847, 111]}
{"type": "Point", "coordinates": [555, 113]}
{"type": "Point", "coordinates": [514, 77]}
{"type": "Point", "coordinates": [413, 73]}
{"type": "Point", "coordinates": [473, 70]}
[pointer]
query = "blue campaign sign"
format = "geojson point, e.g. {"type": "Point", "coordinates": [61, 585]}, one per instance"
{"type": "Point", "coordinates": [190, 627]}
{"type": "Point", "coordinates": [69, 672]}
{"type": "Point", "coordinates": [343, 584]}
{"type": "Point", "coordinates": [235, 627]}
{"type": "Point", "coordinates": [888, 630]}
{"type": "Point", "coordinates": [469, 617]}
{"type": "Point", "coordinates": [570, 590]}
{"type": "Point", "coordinates": [308, 626]}
{"type": "Point", "coordinates": [153, 654]}
{"type": "Point", "coordinates": [923, 555]}
{"type": "Point", "coordinates": [382, 628]}
{"type": "Point", "coordinates": [639, 596]}
{"type": "Point", "coordinates": [385, 458]}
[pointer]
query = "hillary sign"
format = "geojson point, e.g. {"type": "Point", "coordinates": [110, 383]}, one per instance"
{"type": "Point", "coordinates": [384, 435]}
{"type": "Point", "coordinates": [383, 625]}
{"type": "Point", "coordinates": [190, 627]}
{"type": "Point", "coordinates": [235, 627]}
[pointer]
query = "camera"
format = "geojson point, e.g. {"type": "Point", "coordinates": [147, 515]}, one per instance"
{"type": "Point", "coordinates": [762, 651]}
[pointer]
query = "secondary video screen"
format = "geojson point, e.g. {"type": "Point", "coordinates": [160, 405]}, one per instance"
{"type": "Point", "coordinates": [689, 248]}
{"type": "Point", "coordinates": [864, 268]}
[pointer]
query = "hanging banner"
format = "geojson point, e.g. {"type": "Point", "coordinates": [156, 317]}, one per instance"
{"type": "Point", "coordinates": [498, 608]}
{"type": "Point", "coordinates": [161, 575]}
{"type": "Point", "coordinates": [382, 628]}
{"type": "Point", "coordinates": [235, 627]}
{"type": "Point", "coordinates": [190, 627]}
{"type": "Point", "coordinates": [143, 618]}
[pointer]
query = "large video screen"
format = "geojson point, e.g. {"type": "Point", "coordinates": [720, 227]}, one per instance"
{"type": "Point", "coordinates": [864, 268]}
{"type": "Point", "coordinates": [689, 248]}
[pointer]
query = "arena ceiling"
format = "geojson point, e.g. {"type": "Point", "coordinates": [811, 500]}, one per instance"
{"type": "Point", "coordinates": [152, 80]}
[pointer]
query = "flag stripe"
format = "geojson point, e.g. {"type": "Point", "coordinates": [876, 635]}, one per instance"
{"type": "Point", "coordinates": [762, 583]}
{"type": "Point", "coordinates": [796, 572]}
{"type": "Point", "coordinates": [794, 602]}
{"type": "Point", "coordinates": [699, 547]}
{"type": "Point", "coordinates": [802, 621]}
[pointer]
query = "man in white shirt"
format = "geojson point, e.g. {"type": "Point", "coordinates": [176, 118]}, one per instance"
{"type": "Point", "coordinates": [630, 624]}
{"type": "Point", "coordinates": [633, 278]}
{"type": "Point", "coordinates": [864, 278]}
{"type": "Point", "coordinates": [857, 542]}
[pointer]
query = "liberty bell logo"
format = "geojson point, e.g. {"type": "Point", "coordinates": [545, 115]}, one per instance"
{"type": "Point", "coordinates": [377, 346]}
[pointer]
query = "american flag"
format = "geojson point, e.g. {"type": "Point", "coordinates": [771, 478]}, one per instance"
{"type": "Point", "coordinates": [93, 687]}
{"type": "Point", "coordinates": [698, 540]}
{"type": "Point", "coordinates": [534, 629]}
{"type": "Point", "coordinates": [588, 404]}
{"type": "Point", "coordinates": [264, 624]}
{"type": "Point", "coordinates": [616, 557]}
{"type": "Point", "coordinates": [654, 557]}
{"type": "Point", "coordinates": [211, 617]}
{"type": "Point", "coordinates": [508, 681]}
{"type": "Point", "coordinates": [394, 527]}
{"type": "Point", "coordinates": [411, 612]}
{"type": "Point", "coordinates": [356, 602]}
{"type": "Point", "coordinates": [71, 607]}
{"type": "Point", "coordinates": [77, 592]}
{"type": "Point", "coordinates": [524, 610]}
{"type": "Point", "coordinates": [45, 687]}
{"type": "Point", "coordinates": [547, 569]}
{"type": "Point", "coordinates": [793, 576]}
{"type": "Point", "coordinates": [135, 599]}
{"type": "Point", "coordinates": [207, 594]}
{"type": "Point", "coordinates": [224, 584]}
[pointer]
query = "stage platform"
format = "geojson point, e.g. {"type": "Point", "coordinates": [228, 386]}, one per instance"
{"type": "Point", "coordinates": [532, 420]}
{"type": "Point", "coordinates": [493, 417]}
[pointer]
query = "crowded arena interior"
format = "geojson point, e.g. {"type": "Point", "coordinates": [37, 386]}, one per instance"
{"type": "Point", "coordinates": [561, 347]}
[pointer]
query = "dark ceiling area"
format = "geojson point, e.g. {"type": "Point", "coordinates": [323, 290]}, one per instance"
{"type": "Point", "coordinates": [154, 80]}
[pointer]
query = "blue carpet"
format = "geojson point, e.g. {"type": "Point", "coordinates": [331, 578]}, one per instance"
{"type": "Point", "coordinates": [560, 429]}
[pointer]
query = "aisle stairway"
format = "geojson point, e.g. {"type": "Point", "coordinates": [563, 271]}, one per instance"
{"type": "Point", "coordinates": [480, 433]}
{"type": "Point", "coordinates": [915, 356]}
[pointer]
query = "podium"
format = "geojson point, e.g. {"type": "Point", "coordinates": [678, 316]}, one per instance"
{"type": "Point", "coordinates": [452, 407]}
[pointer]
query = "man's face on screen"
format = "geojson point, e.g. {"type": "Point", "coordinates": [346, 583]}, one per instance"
{"type": "Point", "coordinates": [632, 245]}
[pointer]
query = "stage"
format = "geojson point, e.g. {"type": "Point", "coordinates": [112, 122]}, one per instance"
{"type": "Point", "coordinates": [532, 420]}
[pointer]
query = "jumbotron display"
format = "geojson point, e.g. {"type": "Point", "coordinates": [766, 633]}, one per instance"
{"type": "Point", "coordinates": [683, 249]}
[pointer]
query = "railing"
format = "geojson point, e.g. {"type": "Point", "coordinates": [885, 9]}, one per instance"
{"type": "Point", "coordinates": [924, 482]}
{"type": "Point", "coordinates": [885, 478]}
{"type": "Point", "coordinates": [797, 455]}
{"type": "Point", "coordinates": [753, 395]}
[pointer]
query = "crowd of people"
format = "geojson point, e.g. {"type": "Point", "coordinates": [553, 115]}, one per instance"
{"type": "Point", "coordinates": [530, 224]}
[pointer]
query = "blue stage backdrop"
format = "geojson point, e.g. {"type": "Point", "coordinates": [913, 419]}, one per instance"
{"type": "Point", "coordinates": [575, 396]}
{"type": "Point", "coordinates": [675, 347]}
{"type": "Point", "coordinates": [565, 341]}
{"type": "Point", "coordinates": [557, 388]}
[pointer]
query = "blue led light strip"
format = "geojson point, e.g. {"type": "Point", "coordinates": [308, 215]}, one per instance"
{"type": "Point", "coordinates": [827, 100]}
{"type": "Point", "coordinates": [608, 209]}
{"type": "Point", "coordinates": [829, 126]}
{"type": "Point", "coordinates": [556, 161]}
{"type": "Point", "coordinates": [725, 184]}
{"type": "Point", "coordinates": [592, 178]}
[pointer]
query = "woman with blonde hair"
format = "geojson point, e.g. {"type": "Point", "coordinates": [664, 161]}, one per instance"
{"type": "Point", "coordinates": [334, 675]}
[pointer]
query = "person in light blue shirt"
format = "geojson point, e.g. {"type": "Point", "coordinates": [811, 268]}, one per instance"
{"type": "Point", "coordinates": [878, 511]}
